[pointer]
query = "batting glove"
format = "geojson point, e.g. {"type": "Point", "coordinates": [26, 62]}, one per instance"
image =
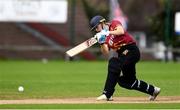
{"type": "Point", "coordinates": [100, 38]}
{"type": "Point", "coordinates": [105, 32]}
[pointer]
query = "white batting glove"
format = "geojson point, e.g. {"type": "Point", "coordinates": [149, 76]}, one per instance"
{"type": "Point", "coordinates": [105, 32]}
{"type": "Point", "coordinates": [100, 38]}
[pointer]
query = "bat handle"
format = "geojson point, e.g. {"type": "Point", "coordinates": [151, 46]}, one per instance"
{"type": "Point", "coordinates": [95, 36]}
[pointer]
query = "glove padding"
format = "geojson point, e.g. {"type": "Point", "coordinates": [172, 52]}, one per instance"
{"type": "Point", "coordinates": [105, 32]}
{"type": "Point", "coordinates": [100, 38]}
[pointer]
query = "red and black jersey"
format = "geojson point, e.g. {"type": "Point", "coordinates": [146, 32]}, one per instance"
{"type": "Point", "coordinates": [117, 41]}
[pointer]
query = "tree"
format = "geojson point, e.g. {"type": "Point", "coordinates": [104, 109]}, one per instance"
{"type": "Point", "coordinates": [158, 24]}
{"type": "Point", "coordinates": [96, 7]}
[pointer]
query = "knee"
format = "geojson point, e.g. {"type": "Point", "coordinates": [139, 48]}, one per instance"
{"type": "Point", "coordinates": [128, 84]}
{"type": "Point", "coordinates": [124, 85]}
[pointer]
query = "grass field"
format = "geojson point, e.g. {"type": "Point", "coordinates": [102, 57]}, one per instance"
{"type": "Point", "coordinates": [59, 79]}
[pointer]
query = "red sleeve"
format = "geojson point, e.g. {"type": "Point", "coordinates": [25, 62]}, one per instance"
{"type": "Point", "coordinates": [114, 24]}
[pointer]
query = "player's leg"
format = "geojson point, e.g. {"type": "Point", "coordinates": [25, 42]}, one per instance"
{"type": "Point", "coordinates": [129, 81]}
{"type": "Point", "coordinates": [111, 80]}
{"type": "Point", "coordinates": [129, 73]}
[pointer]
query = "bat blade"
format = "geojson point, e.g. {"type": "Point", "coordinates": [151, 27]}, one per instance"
{"type": "Point", "coordinates": [81, 47]}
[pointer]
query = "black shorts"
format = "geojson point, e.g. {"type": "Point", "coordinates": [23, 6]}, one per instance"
{"type": "Point", "coordinates": [129, 54]}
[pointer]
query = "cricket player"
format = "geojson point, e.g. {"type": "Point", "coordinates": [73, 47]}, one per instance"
{"type": "Point", "coordinates": [121, 66]}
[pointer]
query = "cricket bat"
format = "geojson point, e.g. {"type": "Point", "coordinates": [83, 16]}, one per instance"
{"type": "Point", "coordinates": [81, 47]}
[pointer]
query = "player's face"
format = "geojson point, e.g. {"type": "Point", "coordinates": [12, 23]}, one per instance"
{"type": "Point", "coordinates": [99, 28]}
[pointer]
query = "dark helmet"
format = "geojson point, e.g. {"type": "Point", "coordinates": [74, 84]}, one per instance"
{"type": "Point", "coordinates": [95, 21]}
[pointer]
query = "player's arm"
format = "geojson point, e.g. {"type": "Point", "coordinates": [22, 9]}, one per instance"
{"type": "Point", "coordinates": [101, 40]}
{"type": "Point", "coordinates": [117, 31]}
{"type": "Point", "coordinates": [105, 49]}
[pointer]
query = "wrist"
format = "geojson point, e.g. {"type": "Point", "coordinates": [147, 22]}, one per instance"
{"type": "Point", "coordinates": [102, 43]}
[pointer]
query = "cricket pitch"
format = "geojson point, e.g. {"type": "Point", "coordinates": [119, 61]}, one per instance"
{"type": "Point", "coordinates": [92, 100]}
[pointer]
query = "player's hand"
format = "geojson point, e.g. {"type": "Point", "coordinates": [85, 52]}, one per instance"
{"type": "Point", "coordinates": [105, 32]}
{"type": "Point", "coordinates": [100, 38]}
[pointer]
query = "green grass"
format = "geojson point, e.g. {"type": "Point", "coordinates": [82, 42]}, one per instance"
{"type": "Point", "coordinates": [59, 79]}
{"type": "Point", "coordinates": [92, 106]}
{"type": "Point", "coordinates": [52, 80]}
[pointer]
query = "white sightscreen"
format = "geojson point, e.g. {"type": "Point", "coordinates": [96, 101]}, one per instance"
{"type": "Point", "coordinates": [54, 11]}
{"type": "Point", "coordinates": [177, 22]}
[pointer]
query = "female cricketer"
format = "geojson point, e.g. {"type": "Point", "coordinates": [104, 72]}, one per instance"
{"type": "Point", "coordinates": [121, 66]}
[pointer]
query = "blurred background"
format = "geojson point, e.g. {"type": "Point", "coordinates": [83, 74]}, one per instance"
{"type": "Point", "coordinates": [46, 29]}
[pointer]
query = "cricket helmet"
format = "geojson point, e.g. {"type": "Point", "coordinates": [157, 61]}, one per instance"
{"type": "Point", "coordinates": [96, 20]}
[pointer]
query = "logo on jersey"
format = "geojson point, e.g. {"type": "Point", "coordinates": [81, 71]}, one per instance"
{"type": "Point", "coordinates": [110, 42]}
